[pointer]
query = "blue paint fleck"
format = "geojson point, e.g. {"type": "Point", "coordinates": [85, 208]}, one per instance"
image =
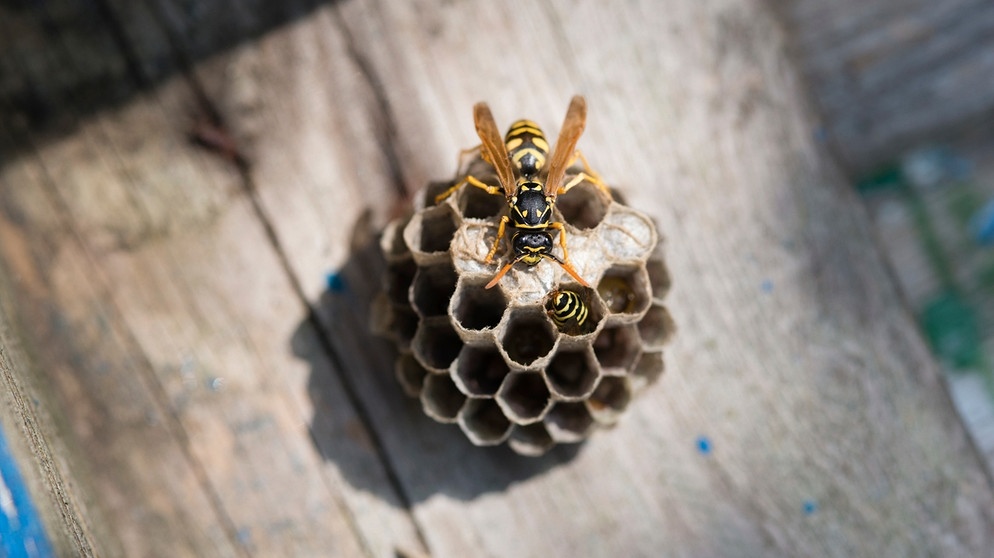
{"type": "Point", "coordinates": [215, 383]}
{"type": "Point", "coordinates": [982, 224]}
{"type": "Point", "coordinates": [820, 134]}
{"type": "Point", "coordinates": [335, 282]}
{"type": "Point", "coordinates": [244, 536]}
{"type": "Point", "coordinates": [766, 286]}
{"type": "Point", "coordinates": [704, 445]}
{"type": "Point", "coordinates": [21, 532]}
{"type": "Point", "coordinates": [810, 507]}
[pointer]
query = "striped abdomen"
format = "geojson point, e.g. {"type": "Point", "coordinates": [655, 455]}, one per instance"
{"type": "Point", "coordinates": [566, 308]}
{"type": "Point", "coordinates": [527, 147]}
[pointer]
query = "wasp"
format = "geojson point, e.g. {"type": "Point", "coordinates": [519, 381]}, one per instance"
{"type": "Point", "coordinates": [567, 310]}
{"type": "Point", "coordinates": [529, 185]}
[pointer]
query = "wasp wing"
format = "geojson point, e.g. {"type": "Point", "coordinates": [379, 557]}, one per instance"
{"type": "Point", "coordinates": [493, 149]}
{"type": "Point", "coordinates": [569, 134]}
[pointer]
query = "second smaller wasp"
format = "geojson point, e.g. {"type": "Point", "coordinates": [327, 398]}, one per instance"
{"type": "Point", "coordinates": [568, 312]}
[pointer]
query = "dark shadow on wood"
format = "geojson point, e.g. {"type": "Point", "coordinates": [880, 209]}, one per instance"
{"type": "Point", "coordinates": [62, 61]}
{"type": "Point", "coordinates": [422, 457]}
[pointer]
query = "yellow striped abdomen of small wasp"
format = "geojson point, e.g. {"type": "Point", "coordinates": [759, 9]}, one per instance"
{"type": "Point", "coordinates": [567, 310]}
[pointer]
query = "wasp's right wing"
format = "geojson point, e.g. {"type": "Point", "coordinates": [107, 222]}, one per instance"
{"type": "Point", "coordinates": [565, 150]}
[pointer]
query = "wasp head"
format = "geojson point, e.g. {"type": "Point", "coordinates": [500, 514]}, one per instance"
{"type": "Point", "coordinates": [531, 247]}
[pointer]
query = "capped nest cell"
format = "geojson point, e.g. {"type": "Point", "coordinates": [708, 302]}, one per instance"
{"type": "Point", "coordinates": [518, 363]}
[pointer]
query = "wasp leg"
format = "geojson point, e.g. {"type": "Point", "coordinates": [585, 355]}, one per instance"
{"type": "Point", "coordinates": [472, 181]}
{"type": "Point", "coordinates": [587, 174]}
{"type": "Point", "coordinates": [565, 261]}
{"type": "Point", "coordinates": [500, 235]}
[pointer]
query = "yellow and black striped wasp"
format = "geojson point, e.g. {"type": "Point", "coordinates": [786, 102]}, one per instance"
{"type": "Point", "coordinates": [568, 311]}
{"type": "Point", "coordinates": [531, 196]}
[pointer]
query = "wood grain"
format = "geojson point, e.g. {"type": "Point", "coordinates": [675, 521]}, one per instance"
{"type": "Point", "coordinates": [889, 75]}
{"type": "Point", "coordinates": [223, 397]}
{"type": "Point", "coordinates": [40, 454]}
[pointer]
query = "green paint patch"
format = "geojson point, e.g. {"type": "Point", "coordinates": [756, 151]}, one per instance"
{"type": "Point", "coordinates": [885, 178]}
{"type": "Point", "coordinates": [985, 274]}
{"type": "Point", "coordinates": [951, 328]}
{"type": "Point", "coordinates": [963, 203]}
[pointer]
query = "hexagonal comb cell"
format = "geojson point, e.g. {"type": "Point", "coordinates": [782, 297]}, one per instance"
{"type": "Point", "coordinates": [433, 287]}
{"type": "Point", "coordinates": [432, 190]}
{"type": "Point", "coordinates": [410, 374]}
{"type": "Point", "coordinates": [659, 277]}
{"type": "Point", "coordinates": [609, 400]}
{"type": "Point", "coordinates": [438, 226]}
{"type": "Point", "coordinates": [474, 203]}
{"type": "Point", "coordinates": [569, 422]}
{"type": "Point", "coordinates": [404, 324]}
{"type": "Point", "coordinates": [529, 337]}
{"type": "Point", "coordinates": [524, 397]}
{"type": "Point", "coordinates": [617, 347]}
{"type": "Point", "coordinates": [480, 371]}
{"type": "Point", "coordinates": [400, 275]}
{"type": "Point", "coordinates": [436, 344]}
{"type": "Point", "coordinates": [440, 398]}
{"type": "Point", "coordinates": [649, 368]}
{"type": "Point", "coordinates": [477, 308]}
{"type": "Point", "coordinates": [656, 327]}
{"type": "Point", "coordinates": [531, 439]}
{"type": "Point", "coordinates": [392, 243]}
{"type": "Point", "coordinates": [572, 374]}
{"type": "Point", "coordinates": [584, 206]}
{"type": "Point", "coordinates": [624, 290]}
{"type": "Point", "coordinates": [484, 423]}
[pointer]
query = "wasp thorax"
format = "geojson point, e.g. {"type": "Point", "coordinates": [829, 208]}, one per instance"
{"type": "Point", "coordinates": [531, 208]}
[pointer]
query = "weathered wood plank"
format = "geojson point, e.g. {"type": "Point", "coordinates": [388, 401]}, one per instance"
{"type": "Point", "coordinates": [170, 278]}
{"type": "Point", "coordinates": [32, 440]}
{"type": "Point", "coordinates": [888, 74]}
{"type": "Point", "coordinates": [123, 445]}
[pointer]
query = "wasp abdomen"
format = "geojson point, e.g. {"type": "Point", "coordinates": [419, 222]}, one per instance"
{"type": "Point", "coordinates": [527, 147]}
{"type": "Point", "coordinates": [567, 308]}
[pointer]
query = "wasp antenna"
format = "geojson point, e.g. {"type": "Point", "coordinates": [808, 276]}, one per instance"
{"type": "Point", "coordinates": [500, 274]}
{"type": "Point", "coordinates": [569, 269]}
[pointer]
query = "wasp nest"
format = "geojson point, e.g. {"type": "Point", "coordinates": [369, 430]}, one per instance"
{"type": "Point", "coordinates": [493, 360]}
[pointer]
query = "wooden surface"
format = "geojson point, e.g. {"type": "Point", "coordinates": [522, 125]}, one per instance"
{"type": "Point", "coordinates": [888, 75]}
{"type": "Point", "coordinates": [211, 396]}
{"type": "Point", "coordinates": [24, 424]}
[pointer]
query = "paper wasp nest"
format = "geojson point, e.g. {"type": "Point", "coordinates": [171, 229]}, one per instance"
{"type": "Point", "coordinates": [492, 360]}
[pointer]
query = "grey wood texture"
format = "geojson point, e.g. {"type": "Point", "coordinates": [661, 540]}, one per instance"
{"type": "Point", "coordinates": [179, 180]}
{"type": "Point", "coordinates": [889, 75]}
